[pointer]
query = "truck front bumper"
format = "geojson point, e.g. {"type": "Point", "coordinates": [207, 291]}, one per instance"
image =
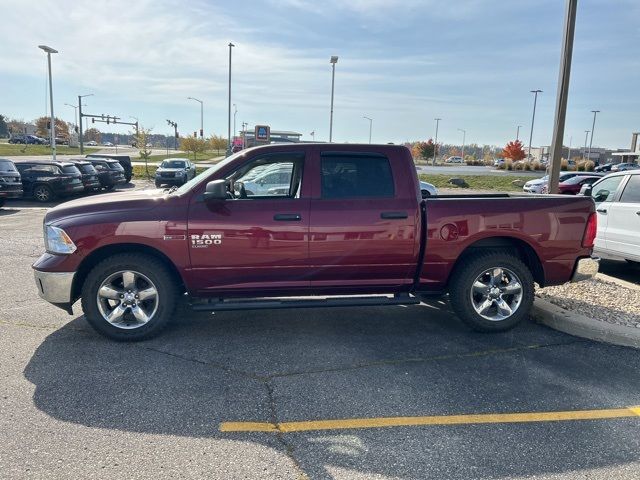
{"type": "Point", "coordinates": [55, 287]}
{"type": "Point", "coordinates": [586, 268]}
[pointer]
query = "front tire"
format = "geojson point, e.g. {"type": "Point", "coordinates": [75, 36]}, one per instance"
{"type": "Point", "coordinates": [491, 291]}
{"type": "Point", "coordinates": [129, 297]}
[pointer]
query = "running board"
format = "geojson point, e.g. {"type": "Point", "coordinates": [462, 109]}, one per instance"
{"type": "Point", "coordinates": [220, 305]}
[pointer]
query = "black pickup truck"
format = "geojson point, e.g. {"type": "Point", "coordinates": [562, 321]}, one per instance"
{"type": "Point", "coordinates": [10, 184]}
{"type": "Point", "coordinates": [46, 180]}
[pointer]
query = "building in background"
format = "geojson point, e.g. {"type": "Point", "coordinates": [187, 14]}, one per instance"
{"type": "Point", "coordinates": [277, 136]}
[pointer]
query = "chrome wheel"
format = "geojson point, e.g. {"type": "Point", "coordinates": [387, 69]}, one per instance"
{"type": "Point", "coordinates": [42, 194]}
{"type": "Point", "coordinates": [127, 299]}
{"type": "Point", "coordinates": [496, 294]}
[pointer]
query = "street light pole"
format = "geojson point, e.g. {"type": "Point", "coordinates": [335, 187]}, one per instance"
{"type": "Point", "coordinates": [244, 134]}
{"type": "Point", "coordinates": [231, 45]}
{"type": "Point", "coordinates": [435, 146]}
{"type": "Point", "coordinates": [201, 115]}
{"type": "Point", "coordinates": [533, 119]}
{"type": "Point", "coordinates": [52, 131]}
{"type": "Point", "coordinates": [586, 137]}
{"type": "Point", "coordinates": [518, 133]}
{"type": "Point", "coordinates": [464, 137]}
{"type": "Point", "coordinates": [333, 61]}
{"type": "Point", "coordinates": [370, 127]}
{"type": "Point", "coordinates": [593, 129]}
{"type": "Point", "coordinates": [235, 112]}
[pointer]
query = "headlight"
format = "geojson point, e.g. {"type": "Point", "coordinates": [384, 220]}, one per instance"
{"type": "Point", "coordinates": [180, 173]}
{"type": "Point", "coordinates": [57, 241]}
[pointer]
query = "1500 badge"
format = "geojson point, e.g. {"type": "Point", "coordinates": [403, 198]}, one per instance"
{"type": "Point", "coordinates": [206, 240]}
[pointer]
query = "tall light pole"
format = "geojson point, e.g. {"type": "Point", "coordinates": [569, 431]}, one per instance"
{"type": "Point", "coordinates": [464, 137]}
{"type": "Point", "coordinates": [75, 112]}
{"type": "Point", "coordinates": [570, 142]}
{"type": "Point", "coordinates": [435, 146]}
{"type": "Point", "coordinates": [518, 133]}
{"type": "Point", "coordinates": [593, 128]}
{"type": "Point", "coordinates": [533, 119]}
{"type": "Point", "coordinates": [231, 45]}
{"type": "Point", "coordinates": [235, 112]}
{"type": "Point", "coordinates": [333, 61]}
{"type": "Point", "coordinates": [370, 126]}
{"type": "Point", "coordinates": [80, 138]}
{"type": "Point", "coordinates": [201, 115]}
{"type": "Point", "coordinates": [52, 131]}
{"type": "Point", "coordinates": [244, 134]}
{"type": "Point", "coordinates": [586, 137]}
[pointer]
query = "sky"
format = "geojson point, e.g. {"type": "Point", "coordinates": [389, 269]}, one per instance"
{"type": "Point", "coordinates": [401, 62]}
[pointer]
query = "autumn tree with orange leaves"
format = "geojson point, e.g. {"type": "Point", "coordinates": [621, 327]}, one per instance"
{"type": "Point", "coordinates": [514, 151]}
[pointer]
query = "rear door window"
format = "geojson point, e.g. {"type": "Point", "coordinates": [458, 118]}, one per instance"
{"type": "Point", "coordinates": [631, 193]}
{"type": "Point", "coordinates": [356, 176]}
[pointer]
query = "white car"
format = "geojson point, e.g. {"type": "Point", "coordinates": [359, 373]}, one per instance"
{"type": "Point", "coordinates": [617, 198]}
{"type": "Point", "coordinates": [91, 143]}
{"type": "Point", "coordinates": [539, 185]}
{"type": "Point", "coordinates": [108, 144]}
{"type": "Point", "coordinates": [454, 159]}
{"type": "Point", "coordinates": [427, 189]}
{"type": "Point", "coordinates": [269, 182]}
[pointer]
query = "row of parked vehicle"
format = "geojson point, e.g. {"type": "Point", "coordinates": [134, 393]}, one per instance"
{"type": "Point", "coordinates": [571, 183]}
{"type": "Point", "coordinates": [45, 180]}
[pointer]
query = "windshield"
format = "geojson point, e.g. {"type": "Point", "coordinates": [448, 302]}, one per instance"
{"type": "Point", "coordinates": [173, 164]}
{"type": "Point", "coordinates": [70, 169]}
{"type": "Point", "coordinates": [7, 166]}
{"type": "Point", "coordinates": [198, 178]}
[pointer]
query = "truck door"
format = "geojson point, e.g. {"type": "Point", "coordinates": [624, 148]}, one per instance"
{"type": "Point", "coordinates": [603, 194]}
{"type": "Point", "coordinates": [623, 230]}
{"type": "Point", "coordinates": [252, 241]}
{"type": "Point", "coordinates": [364, 221]}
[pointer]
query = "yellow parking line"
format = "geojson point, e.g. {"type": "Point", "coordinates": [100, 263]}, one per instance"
{"type": "Point", "coordinates": [379, 422]}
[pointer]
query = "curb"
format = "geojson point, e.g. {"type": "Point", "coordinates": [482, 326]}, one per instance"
{"type": "Point", "coordinates": [578, 325]}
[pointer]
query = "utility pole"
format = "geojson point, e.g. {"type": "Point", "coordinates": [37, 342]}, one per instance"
{"type": "Point", "coordinates": [464, 137]}
{"type": "Point", "coordinates": [435, 146]}
{"type": "Point", "coordinates": [333, 61]}
{"type": "Point", "coordinates": [593, 128]}
{"type": "Point", "coordinates": [586, 137]}
{"type": "Point", "coordinates": [175, 133]}
{"type": "Point", "coordinates": [52, 130]}
{"type": "Point", "coordinates": [533, 119]}
{"type": "Point", "coordinates": [229, 150]}
{"type": "Point", "coordinates": [518, 133]}
{"type": "Point", "coordinates": [244, 134]}
{"type": "Point", "coordinates": [370, 127]}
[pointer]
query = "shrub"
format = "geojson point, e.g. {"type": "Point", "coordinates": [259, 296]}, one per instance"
{"type": "Point", "coordinates": [564, 164]}
{"type": "Point", "coordinates": [508, 164]}
{"type": "Point", "coordinates": [536, 165]}
{"type": "Point", "coordinates": [589, 166]}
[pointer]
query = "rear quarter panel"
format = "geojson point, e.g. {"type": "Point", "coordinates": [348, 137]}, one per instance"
{"type": "Point", "coordinates": [552, 225]}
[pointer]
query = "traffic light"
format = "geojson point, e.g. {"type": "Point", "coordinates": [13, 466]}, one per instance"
{"type": "Point", "coordinates": [195, 134]}
{"type": "Point", "coordinates": [76, 128]}
{"type": "Point", "coordinates": [201, 133]}
{"type": "Point", "coordinates": [93, 120]}
{"type": "Point", "coordinates": [107, 119]}
{"type": "Point", "coordinates": [49, 125]}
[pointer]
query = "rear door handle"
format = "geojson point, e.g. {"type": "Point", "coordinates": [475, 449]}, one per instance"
{"type": "Point", "coordinates": [394, 215]}
{"type": "Point", "coordinates": [287, 217]}
{"type": "Point", "coordinates": [601, 210]}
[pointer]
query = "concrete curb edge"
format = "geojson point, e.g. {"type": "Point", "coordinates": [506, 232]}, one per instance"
{"type": "Point", "coordinates": [576, 324]}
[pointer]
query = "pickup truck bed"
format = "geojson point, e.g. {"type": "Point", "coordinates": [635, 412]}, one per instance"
{"type": "Point", "coordinates": [325, 220]}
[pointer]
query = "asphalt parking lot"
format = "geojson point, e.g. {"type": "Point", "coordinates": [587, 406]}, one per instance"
{"type": "Point", "coordinates": [248, 394]}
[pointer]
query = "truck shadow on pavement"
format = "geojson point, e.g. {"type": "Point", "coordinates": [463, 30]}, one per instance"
{"type": "Point", "coordinates": [297, 365]}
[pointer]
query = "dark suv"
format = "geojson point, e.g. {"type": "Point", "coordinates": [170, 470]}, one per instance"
{"type": "Point", "coordinates": [45, 180]}
{"type": "Point", "coordinates": [27, 139]}
{"type": "Point", "coordinates": [10, 184]}
{"type": "Point", "coordinates": [125, 161]}
{"type": "Point", "coordinates": [90, 179]}
{"type": "Point", "coordinates": [110, 172]}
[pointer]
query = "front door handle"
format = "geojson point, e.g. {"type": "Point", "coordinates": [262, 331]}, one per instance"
{"type": "Point", "coordinates": [287, 217]}
{"type": "Point", "coordinates": [601, 210]}
{"type": "Point", "coordinates": [394, 215]}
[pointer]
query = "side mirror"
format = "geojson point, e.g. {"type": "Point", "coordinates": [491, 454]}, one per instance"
{"type": "Point", "coordinates": [215, 190]}
{"type": "Point", "coordinates": [586, 190]}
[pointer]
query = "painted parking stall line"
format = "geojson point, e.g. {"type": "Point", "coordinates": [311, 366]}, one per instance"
{"type": "Point", "coordinates": [467, 419]}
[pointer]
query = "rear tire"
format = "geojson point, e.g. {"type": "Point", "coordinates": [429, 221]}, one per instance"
{"type": "Point", "coordinates": [2, 200]}
{"type": "Point", "coordinates": [42, 193]}
{"type": "Point", "coordinates": [136, 315]}
{"type": "Point", "coordinates": [484, 289]}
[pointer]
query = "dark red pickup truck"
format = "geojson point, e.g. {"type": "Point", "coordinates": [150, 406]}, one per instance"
{"type": "Point", "coordinates": [305, 225]}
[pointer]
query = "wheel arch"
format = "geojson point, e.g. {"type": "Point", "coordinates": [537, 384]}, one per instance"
{"type": "Point", "coordinates": [523, 250]}
{"type": "Point", "coordinates": [114, 249]}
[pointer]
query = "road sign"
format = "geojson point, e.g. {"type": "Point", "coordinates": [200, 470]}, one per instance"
{"type": "Point", "coordinates": [263, 133]}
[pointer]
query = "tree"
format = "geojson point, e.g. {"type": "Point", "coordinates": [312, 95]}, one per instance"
{"type": "Point", "coordinates": [92, 134]}
{"type": "Point", "coordinates": [42, 127]}
{"type": "Point", "coordinates": [141, 139]}
{"type": "Point", "coordinates": [514, 151]}
{"type": "Point", "coordinates": [426, 149]}
{"type": "Point", "coordinates": [193, 145]}
{"type": "Point", "coordinates": [4, 128]}
{"type": "Point", "coordinates": [218, 142]}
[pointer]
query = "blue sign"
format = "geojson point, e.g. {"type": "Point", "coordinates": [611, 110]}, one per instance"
{"type": "Point", "coordinates": [262, 133]}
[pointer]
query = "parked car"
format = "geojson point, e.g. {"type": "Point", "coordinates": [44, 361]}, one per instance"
{"type": "Point", "coordinates": [539, 185]}
{"type": "Point", "coordinates": [28, 140]}
{"type": "Point", "coordinates": [604, 168]}
{"type": "Point", "coordinates": [351, 226]}
{"type": "Point", "coordinates": [91, 143]}
{"type": "Point", "coordinates": [174, 171]}
{"type": "Point", "coordinates": [572, 186]}
{"type": "Point", "coordinates": [90, 179]}
{"type": "Point", "coordinates": [10, 183]}
{"type": "Point", "coordinates": [110, 172]}
{"type": "Point", "coordinates": [46, 180]}
{"type": "Point", "coordinates": [623, 167]}
{"type": "Point", "coordinates": [107, 144]}
{"type": "Point", "coordinates": [617, 198]}
{"type": "Point", "coordinates": [124, 160]}
{"type": "Point", "coordinates": [427, 189]}
{"type": "Point", "coordinates": [454, 159]}
{"type": "Point", "coordinates": [498, 162]}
